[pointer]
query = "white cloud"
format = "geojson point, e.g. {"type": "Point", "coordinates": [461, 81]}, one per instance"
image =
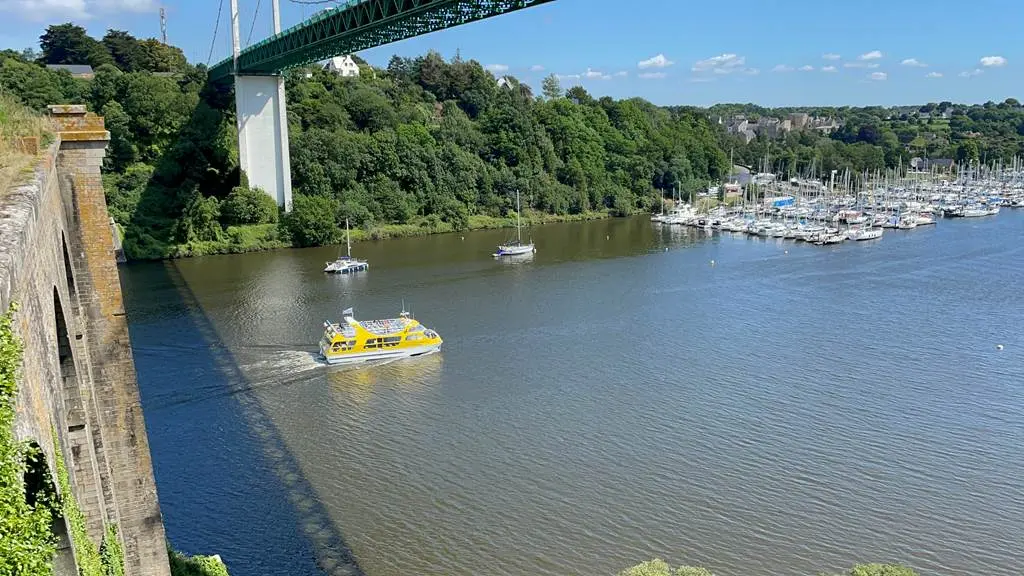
{"type": "Point", "coordinates": [969, 73]}
{"type": "Point", "coordinates": [828, 68]}
{"type": "Point", "coordinates": [652, 75]}
{"type": "Point", "coordinates": [52, 10]}
{"type": "Point", "coordinates": [752, 71]}
{"type": "Point", "coordinates": [126, 5]}
{"type": "Point", "coordinates": [621, 74]}
{"type": "Point", "coordinates": [536, 68]}
{"type": "Point", "coordinates": [860, 65]}
{"type": "Point", "coordinates": [873, 55]}
{"type": "Point", "coordinates": [497, 67]}
{"type": "Point", "coordinates": [596, 75]}
{"type": "Point", "coordinates": [782, 68]}
{"type": "Point", "coordinates": [993, 61]}
{"type": "Point", "coordinates": [807, 68]}
{"type": "Point", "coordinates": [914, 62]}
{"type": "Point", "coordinates": [659, 61]}
{"type": "Point", "coordinates": [831, 56]}
{"type": "Point", "coordinates": [699, 79]}
{"type": "Point", "coordinates": [933, 75]}
{"type": "Point", "coordinates": [44, 10]}
{"type": "Point", "coordinates": [722, 64]}
{"type": "Point", "coordinates": [878, 76]}
{"type": "Point", "coordinates": [567, 76]}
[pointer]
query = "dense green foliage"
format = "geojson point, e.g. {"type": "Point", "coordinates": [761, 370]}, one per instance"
{"type": "Point", "coordinates": [659, 567]}
{"type": "Point", "coordinates": [108, 559]}
{"type": "Point", "coordinates": [875, 138]}
{"type": "Point", "coordinates": [26, 543]}
{"type": "Point", "coordinates": [182, 565]}
{"type": "Point", "coordinates": [423, 146]}
{"type": "Point", "coordinates": [428, 145]}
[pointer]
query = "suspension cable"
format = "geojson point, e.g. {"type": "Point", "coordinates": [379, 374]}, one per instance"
{"type": "Point", "coordinates": [248, 40]}
{"type": "Point", "coordinates": [216, 27]}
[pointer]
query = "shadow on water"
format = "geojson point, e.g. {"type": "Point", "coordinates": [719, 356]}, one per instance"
{"type": "Point", "coordinates": [222, 468]}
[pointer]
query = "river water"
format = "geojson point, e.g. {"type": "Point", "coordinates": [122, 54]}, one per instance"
{"type": "Point", "coordinates": [789, 409]}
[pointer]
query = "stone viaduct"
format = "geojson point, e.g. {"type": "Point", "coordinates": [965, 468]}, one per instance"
{"type": "Point", "coordinates": [78, 384]}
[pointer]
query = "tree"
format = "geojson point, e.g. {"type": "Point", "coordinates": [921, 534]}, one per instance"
{"type": "Point", "coordinates": [245, 205]}
{"type": "Point", "coordinates": [155, 56]}
{"type": "Point", "coordinates": [312, 221]}
{"type": "Point", "coordinates": [967, 151]}
{"type": "Point", "coordinates": [69, 44]}
{"type": "Point", "coordinates": [121, 152]}
{"type": "Point", "coordinates": [124, 49]}
{"type": "Point", "coordinates": [551, 87]}
{"type": "Point", "coordinates": [198, 220]}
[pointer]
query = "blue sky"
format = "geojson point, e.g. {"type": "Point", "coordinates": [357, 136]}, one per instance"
{"type": "Point", "coordinates": [787, 52]}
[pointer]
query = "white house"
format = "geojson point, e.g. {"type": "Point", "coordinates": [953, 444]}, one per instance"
{"type": "Point", "coordinates": [342, 66]}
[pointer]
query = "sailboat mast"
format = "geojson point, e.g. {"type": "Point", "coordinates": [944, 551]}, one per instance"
{"type": "Point", "coordinates": [348, 239]}
{"type": "Point", "coordinates": [519, 233]}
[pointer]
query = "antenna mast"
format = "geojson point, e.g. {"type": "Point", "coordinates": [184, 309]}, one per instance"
{"type": "Point", "coordinates": [163, 25]}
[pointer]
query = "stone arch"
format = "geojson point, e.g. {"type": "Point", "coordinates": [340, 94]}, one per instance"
{"type": "Point", "coordinates": [70, 393]}
{"type": "Point", "coordinates": [65, 355]}
{"type": "Point", "coordinates": [68, 270]}
{"type": "Point", "coordinates": [39, 486]}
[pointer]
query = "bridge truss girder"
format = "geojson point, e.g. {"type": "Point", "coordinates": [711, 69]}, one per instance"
{"type": "Point", "coordinates": [358, 26]}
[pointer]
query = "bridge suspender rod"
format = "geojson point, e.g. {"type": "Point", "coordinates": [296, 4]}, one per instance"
{"type": "Point", "coordinates": [236, 47]}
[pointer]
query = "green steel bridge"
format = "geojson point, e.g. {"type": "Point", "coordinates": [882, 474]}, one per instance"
{"type": "Point", "coordinates": [358, 25]}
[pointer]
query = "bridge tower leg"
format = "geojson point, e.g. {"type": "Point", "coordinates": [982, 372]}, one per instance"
{"type": "Point", "coordinates": [262, 117]}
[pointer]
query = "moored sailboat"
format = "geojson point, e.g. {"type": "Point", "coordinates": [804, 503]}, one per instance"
{"type": "Point", "coordinates": [346, 264]}
{"type": "Point", "coordinates": [516, 247]}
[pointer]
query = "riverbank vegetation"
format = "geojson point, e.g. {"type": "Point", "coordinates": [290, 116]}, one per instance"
{"type": "Point", "coordinates": [429, 145]}
{"type": "Point", "coordinates": [661, 568]}
{"type": "Point", "coordinates": [425, 145]}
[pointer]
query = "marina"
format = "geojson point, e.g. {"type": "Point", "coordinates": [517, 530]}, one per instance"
{"type": "Point", "coordinates": [810, 211]}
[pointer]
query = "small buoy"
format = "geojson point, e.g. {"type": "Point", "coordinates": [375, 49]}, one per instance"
{"type": "Point", "coordinates": [607, 237]}
{"type": "Point", "coordinates": [462, 237]}
{"type": "Point", "coordinates": [712, 262]}
{"type": "Point", "coordinates": [786, 252]}
{"type": "Point", "coordinates": [999, 346]}
{"type": "Point", "coordinates": [666, 249]}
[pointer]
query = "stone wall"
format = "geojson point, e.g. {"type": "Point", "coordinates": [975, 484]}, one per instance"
{"type": "Point", "coordinates": [57, 261]}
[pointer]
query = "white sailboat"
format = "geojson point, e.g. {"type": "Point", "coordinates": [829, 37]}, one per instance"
{"type": "Point", "coordinates": [346, 264]}
{"type": "Point", "coordinates": [516, 248]}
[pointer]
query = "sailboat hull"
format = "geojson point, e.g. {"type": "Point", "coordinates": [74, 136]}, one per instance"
{"type": "Point", "coordinates": [514, 250]}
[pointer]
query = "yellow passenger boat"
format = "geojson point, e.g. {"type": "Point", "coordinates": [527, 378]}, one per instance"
{"type": "Point", "coordinates": [356, 341]}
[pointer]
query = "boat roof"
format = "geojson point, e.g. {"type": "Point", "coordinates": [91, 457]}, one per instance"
{"type": "Point", "coordinates": [385, 326]}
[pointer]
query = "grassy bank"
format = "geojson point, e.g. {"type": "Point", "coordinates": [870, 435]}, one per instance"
{"type": "Point", "coordinates": [22, 134]}
{"type": "Point", "coordinates": [260, 237]}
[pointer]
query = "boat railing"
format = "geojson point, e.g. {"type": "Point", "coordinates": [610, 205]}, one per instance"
{"type": "Point", "coordinates": [387, 326]}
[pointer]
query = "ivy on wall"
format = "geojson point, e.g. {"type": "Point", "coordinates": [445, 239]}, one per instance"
{"type": "Point", "coordinates": [108, 559]}
{"type": "Point", "coordinates": [26, 542]}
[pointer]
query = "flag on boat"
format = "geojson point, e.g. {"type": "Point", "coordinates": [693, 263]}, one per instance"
{"type": "Point", "coordinates": [347, 311]}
